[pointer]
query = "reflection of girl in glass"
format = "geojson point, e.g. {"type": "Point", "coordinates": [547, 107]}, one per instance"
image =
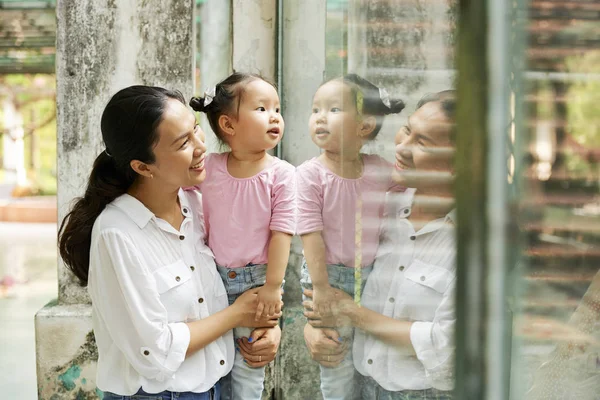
{"type": "Point", "coordinates": [334, 188]}
{"type": "Point", "coordinates": [404, 346]}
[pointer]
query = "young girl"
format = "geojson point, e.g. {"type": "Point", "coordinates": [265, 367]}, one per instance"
{"type": "Point", "coordinates": [341, 195]}
{"type": "Point", "coordinates": [249, 202]}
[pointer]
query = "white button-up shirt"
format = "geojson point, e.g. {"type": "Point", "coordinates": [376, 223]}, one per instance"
{"type": "Point", "coordinates": [413, 279]}
{"type": "Point", "coordinates": [146, 280]}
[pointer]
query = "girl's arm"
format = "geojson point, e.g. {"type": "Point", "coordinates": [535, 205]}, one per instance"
{"type": "Point", "coordinates": [314, 253]}
{"type": "Point", "coordinates": [269, 295]}
{"type": "Point", "coordinates": [279, 254]}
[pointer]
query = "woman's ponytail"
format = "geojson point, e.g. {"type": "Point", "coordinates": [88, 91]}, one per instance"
{"type": "Point", "coordinates": [105, 184]}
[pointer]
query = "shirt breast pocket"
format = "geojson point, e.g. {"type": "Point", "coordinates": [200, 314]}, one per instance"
{"type": "Point", "coordinates": [424, 288]}
{"type": "Point", "coordinates": [176, 289]}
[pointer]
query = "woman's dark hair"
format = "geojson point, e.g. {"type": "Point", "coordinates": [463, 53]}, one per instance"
{"type": "Point", "coordinates": [446, 98]}
{"type": "Point", "coordinates": [225, 101]}
{"type": "Point", "coordinates": [129, 130]}
{"type": "Point", "coordinates": [374, 100]}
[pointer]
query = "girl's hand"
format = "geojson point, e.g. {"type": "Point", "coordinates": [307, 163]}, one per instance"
{"type": "Point", "coordinates": [322, 298]}
{"type": "Point", "coordinates": [325, 346]}
{"type": "Point", "coordinates": [341, 308]}
{"type": "Point", "coordinates": [261, 347]}
{"type": "Point", "coordinates": [269, 301]}
{"type": "Point", "coordinates": [246, 306]}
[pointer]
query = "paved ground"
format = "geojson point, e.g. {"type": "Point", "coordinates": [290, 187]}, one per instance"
{"type": "Point", "coordinates": [27, 282]}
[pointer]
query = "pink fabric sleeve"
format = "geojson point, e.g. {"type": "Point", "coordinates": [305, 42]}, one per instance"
{"type": "Point", "coordinates": [310, 200]}
{"type": "Point", "coordinates": [283, 216]}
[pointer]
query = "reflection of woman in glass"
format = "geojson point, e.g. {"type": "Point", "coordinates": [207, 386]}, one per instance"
{"type": "Point", "coordinates": [335, 187]}
{"type": "Point", "coordinates": [404, 345]}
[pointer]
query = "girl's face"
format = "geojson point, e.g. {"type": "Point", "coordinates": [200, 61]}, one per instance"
{"type": "Point", "coordinates": [259, 125]}
{"type": "Point", "coordinates": [424, 145]}
{"type": "Point", "coordinates": [334, 124]}
{"type": "Point", "coordinates": [180, 149]}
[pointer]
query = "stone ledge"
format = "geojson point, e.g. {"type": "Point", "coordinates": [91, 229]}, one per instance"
{"type": "Point", "coordinates": [29, 209]}
{"type": "Point", "coordinates": [66, 352]}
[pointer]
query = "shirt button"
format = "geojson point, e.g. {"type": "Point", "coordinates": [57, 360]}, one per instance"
{"type": "Point", "coordinates": [411, 238]}
{"type": "Point", "coordinates": [177, 278]}
{"type": "Point", "coordinates": [222, 362]}
{"type": "Point", "coordinates": [193, 268]}
{"type": "Point", "coordinates": [370, 361]}
{"type": "Point", "coordinates": [200, 300]}
{"type": "Point", "coordinates": [402, 268]}
{"type": "Point", "coordinates": [406, 210]}
{"type": "Point", "coordinates": [185, 211]}
{"type": "Point", "coordinates": [181, 237]}
{"type": "Point", "coordinates": [146, 353]}
{"type": "Point", "coordinates": [392, 299]}
{"type": "Point", "coordinates": [422, 278]}
{"type": "Point", "coordinates": [232, 274]}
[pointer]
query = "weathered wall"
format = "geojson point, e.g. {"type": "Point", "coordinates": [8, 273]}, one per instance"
{"type": "Point", "coordinates": [101, 47]}
{"type": "Point", "coordinates": [405, 46]}
{"type": "Point", "coordinates": [303, 65]}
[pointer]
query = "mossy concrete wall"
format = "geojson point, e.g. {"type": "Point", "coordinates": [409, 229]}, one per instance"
{"type": "Point", "coordinates": [102, 47]}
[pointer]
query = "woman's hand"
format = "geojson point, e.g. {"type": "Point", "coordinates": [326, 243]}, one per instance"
{"type": "Point", "coordinates": [245, 307]}
{"type": "Point", "coordinates": [261, 347]}
{"type": "Point", "coordinates": [341, 306]}
{"type": "Point", "coordinates": [325, 345]}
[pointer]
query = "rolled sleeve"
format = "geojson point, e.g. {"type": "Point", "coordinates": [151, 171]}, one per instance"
{"type": "Point", "coordinates": [310, 200]}
{"type": "Point", "coordinates": [125, 297]}
{"type": "Point", "coordinates": [283, 217]}
{"type": "Point", "coordinates": [179, 345]}
{"type": "Point", "coordinates": [434, 343]}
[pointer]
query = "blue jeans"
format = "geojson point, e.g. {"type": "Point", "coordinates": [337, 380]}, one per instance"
{"type": "Point", "coordinates": [213, 394]}
{"type": "Point", "coordinates": [244, 382]}
{"type": "Point", "coordinates": [366, 387]}
{"type": "Point", "coordinates": [336, 383]}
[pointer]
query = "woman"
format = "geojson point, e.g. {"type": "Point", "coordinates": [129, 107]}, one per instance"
{"type": "Point", "coordinates": [404, 342]}
{"type": "Point", "coordinates": [161, 317]}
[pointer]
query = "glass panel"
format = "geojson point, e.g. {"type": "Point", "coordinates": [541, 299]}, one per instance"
{"type": "Point", "coordinates": [557, 355]}
{"type": "Point", "coordinates": [375, 205]}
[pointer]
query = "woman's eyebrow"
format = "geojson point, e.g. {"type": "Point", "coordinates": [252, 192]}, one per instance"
{"type": "Point", "coordinates": [182, 136]}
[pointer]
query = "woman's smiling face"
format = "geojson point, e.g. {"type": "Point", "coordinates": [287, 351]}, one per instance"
{"type": "Point", "coordinates": [179, 153]}
{"type": "Point", "coordinates": [424, 147]}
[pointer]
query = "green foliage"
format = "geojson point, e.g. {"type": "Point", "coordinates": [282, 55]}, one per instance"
{"type": "Point", "coordinates": [35, 99]}
{"type": "Point", "coordinates": [584, 101]}
{"type": "Point", "coordinates": [583, 119]}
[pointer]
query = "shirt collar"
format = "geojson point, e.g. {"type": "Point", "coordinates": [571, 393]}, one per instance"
{"type": "Point", "coordinates": [140, 214]}
{"type": "Point", "coordinates": [436, 224]}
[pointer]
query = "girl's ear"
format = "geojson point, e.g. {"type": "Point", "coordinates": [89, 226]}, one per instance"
{"type": "Point", "coordinates": [367, 126]}
{"type": "Point", "coordinates": [226, 125]}
{"type": "Point", "coordinates": [141, 168]}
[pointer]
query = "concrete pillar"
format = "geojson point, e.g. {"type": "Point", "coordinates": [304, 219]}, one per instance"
{"type": "Point", "coordinates": [254, 37]}
{"type": "Point", "coordinates": [101, 48]}
{"type": "Point", "coordinates": [303, 64]}
{"type": "Point", "coordinates": [216, 58]}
